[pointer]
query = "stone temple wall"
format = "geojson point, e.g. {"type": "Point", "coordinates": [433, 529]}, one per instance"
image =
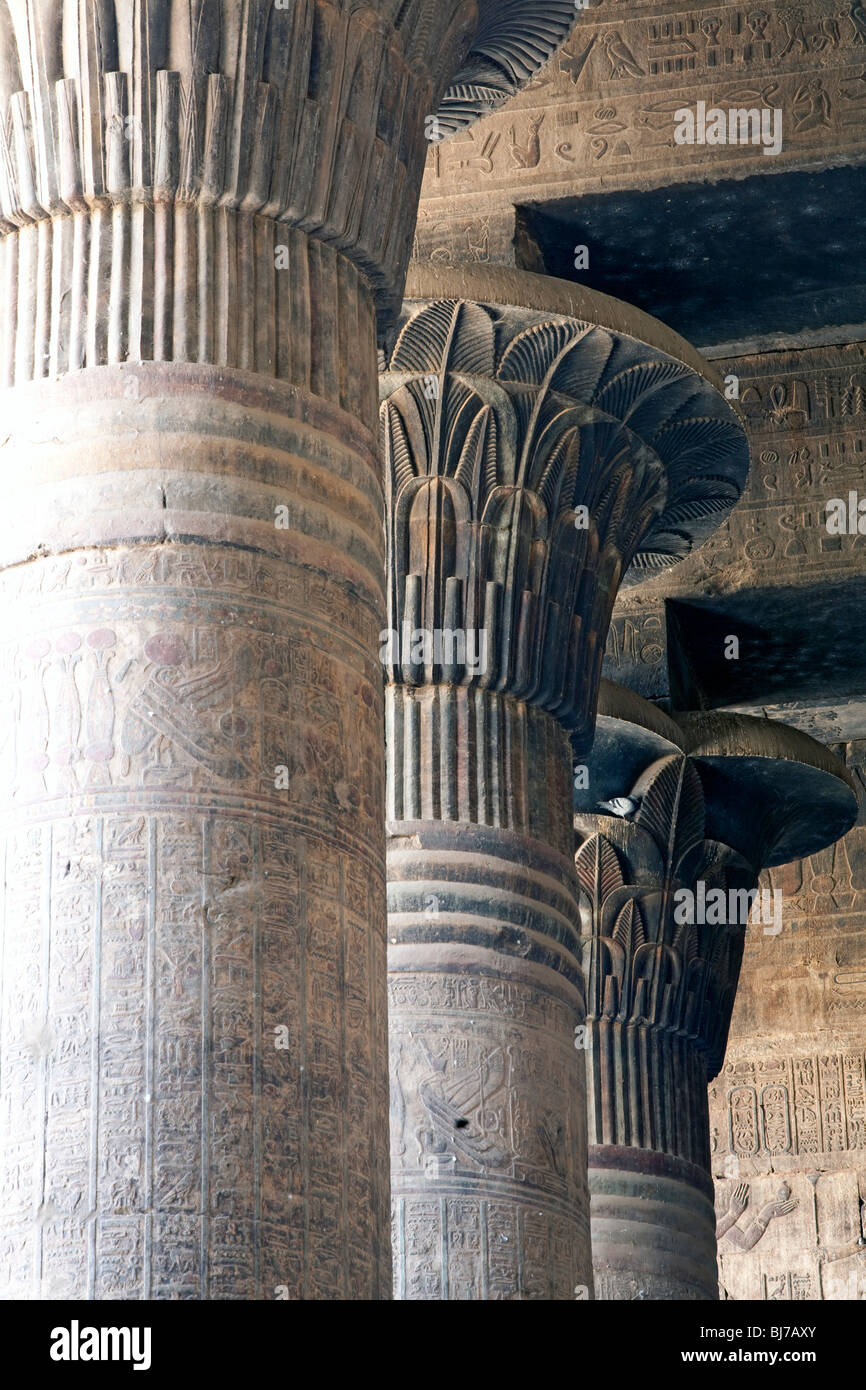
{"type": "Point", "coordinates": [599, 117]}
{"type": "Point", "coordinates": [788, 1111]}
{"type": "Point", "coordinates": [789, 1108]}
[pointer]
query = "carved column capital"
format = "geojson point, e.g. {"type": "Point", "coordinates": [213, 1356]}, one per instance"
{"type": "Point", "coordinates": [679, 817]}
{"type": "Point", "coordinates": [539, 444]}
{"type": "Point", "coordinates": [711, 798]}
{"type": "Point", "coordinates": [514, 38]}
{"type": "Point", "coordinates": [310, 113]}
{"type": "Point", "coordinates": [536, 459]}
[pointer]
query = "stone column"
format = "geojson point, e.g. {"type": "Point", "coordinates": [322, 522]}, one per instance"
{"type": "Point", "coordinates": [539, 443]}
{"type": "Point", "coordinates": [694, 809]}
{"type": "Point", "coordinates": [202, 206]}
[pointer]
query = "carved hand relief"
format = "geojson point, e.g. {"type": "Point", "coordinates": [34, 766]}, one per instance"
{"type": "Point", "coordinates": [742, 1234]}
{"type": "Point", "coordinates": [791, 1239]}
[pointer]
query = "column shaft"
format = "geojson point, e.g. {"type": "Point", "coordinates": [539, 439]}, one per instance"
{"type": "Point", "coordinates": [668, 879]}
{"type": "Point", "coordinates": [487, 1090]}
{"type": "Point", "coordinates": [201, 204]}
{"type": "Point", "coordinates": [195, 924]}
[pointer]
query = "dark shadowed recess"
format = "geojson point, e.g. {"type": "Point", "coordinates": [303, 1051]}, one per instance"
{"type": "Point", "coordinates": [793, 644]}
{"type": "Point", "coordinates": [721, 262]}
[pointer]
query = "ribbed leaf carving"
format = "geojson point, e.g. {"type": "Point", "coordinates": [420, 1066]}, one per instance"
{"type": "Point", "coordinates": [630, 388]}
{"type": "Point", "coordinates": [672, 808]}
{"type": "Point", "coordinates": [673, 975]}
{"type": "Point", "coordinates": [629, 930]}
{"type": "Point", "coordinates": [532, 354]}
{"type": "Point", "coordinates": [510, 399]}
{"type": "Point", "coordinates": [598, 870]}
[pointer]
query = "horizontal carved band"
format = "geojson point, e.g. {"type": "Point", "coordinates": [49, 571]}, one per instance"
{"type": "Point", "coordinates": [198, 455]}
{"type": "Point", "coordinates": [617, 1159]}
{"type": "Point", "coordinates": [653, 1227]}
{"type": "Point", "coordinates": [467, 886]}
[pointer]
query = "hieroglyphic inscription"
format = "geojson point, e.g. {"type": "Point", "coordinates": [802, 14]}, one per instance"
{"type": "Point", "coordinates": [789, 1105]}
{"type": "Point", "coordinates": [487, 1138]}
{"type": "Point", "coordinates": [168, 909]}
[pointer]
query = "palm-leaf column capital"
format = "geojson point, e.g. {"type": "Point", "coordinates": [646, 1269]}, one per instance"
{"type": "Point", "coordinates": [680, 816]}
{"type": "Point", "coordinates": [542, 447]}
{"type": "Point", "coordinates": [206, 212]}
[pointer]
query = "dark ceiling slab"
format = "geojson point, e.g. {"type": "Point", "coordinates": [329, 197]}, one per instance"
{"type": "Point", "coordinates": [721, 262]}
{"type": "Point", "coordinates": [794, 644]}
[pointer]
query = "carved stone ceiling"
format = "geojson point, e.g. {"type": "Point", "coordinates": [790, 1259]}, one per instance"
{"type": "Point", "coordinates": [599, 115]}
{"type": "Point", "coordinates": [727, 245]}
{"type": "Point", "coordinates": [755, 259]}
{"type": "Point", "coordinates": [727, 262]}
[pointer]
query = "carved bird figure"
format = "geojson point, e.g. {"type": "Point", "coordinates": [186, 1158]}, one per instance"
{"type": "Point", "coordinates": [622, 61]}
{"type": "Point", "coordinates": [527, 156]}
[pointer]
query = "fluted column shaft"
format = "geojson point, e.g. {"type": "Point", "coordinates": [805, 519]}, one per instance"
{"type": "Point", "coordinates": [668, 880]}
{"type": "Point", "coordinates": [202, 205]}
{"type": "Point", "coordinates": [485, 991]}
{"type": "Point", "coordinates": [520, 486]}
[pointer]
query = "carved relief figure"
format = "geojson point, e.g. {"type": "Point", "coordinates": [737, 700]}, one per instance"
{"type": "Point", "coordinates": [574, 65]}
{"type": "Point", "coordinates": [527, 156]}
{"type": "Point", "coordinates": [746, 1236]}
{"type": "Point", "coordinates": [793, 18]}
{"type": "Point", "coordinates": [622, 61]}
{"type": "Point", "coordinates": [465, 1095]}
{"type": "Point", "coordinates": [811, 106]}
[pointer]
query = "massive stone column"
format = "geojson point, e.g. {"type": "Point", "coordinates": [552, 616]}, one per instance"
{"type": "Point", "coordinates": [694, 809]}
{"type": "Point", "coordinates": [539, 443]}
{"type": "Point", "coordinates": [202, 205]}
